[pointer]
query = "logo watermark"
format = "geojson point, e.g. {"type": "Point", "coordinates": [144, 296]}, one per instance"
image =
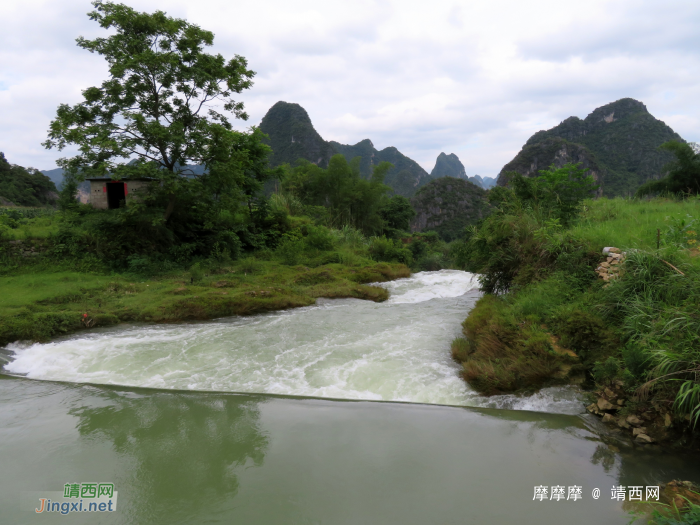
{"type": "Point", "coordinates": [575, 492]}
{"type": "Point", "coordinates": [76, 497]}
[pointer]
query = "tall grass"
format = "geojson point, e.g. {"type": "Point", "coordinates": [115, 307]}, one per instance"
{"type": "Point", "coordinates": [642, 328]}
{"type": "Point", "coordinates": [629, 223]}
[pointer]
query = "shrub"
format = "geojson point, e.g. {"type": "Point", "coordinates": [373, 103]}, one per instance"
{"type": "Point", "coordinates": [388, 250]}
{"type": "Point", "coordinates": [605, 372]}
{"type": "Point", "coordinates": [196, 273]}
{"type": "Point", "coordinates": [586, 334]}
{"type": "Point", "coordinates": [319, 238]}
{"type": "Point", "coordinates": [290, 251]}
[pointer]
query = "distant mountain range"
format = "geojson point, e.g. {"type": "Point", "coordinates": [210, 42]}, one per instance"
{"type": "Point", "coordinates": [618, 143]}
{"type": "Point", "coordinates": [293, 137]}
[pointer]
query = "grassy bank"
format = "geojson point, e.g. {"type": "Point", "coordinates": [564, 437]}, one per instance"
{"type": "Point", "coordinates": [39, 305]}
{"type": "Point", "coordinates": [551, 318]}
{"type": "Point", "coordinates": [57, 275]}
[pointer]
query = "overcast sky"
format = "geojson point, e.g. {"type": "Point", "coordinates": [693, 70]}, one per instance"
{"type": "Point", "coordinates": [475, 78]}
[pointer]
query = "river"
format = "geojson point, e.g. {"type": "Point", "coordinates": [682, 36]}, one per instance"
{"type": "Point", "coordinates": [346, 412]}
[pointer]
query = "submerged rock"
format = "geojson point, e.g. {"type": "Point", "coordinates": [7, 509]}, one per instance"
{"type": "Point", "coordinates": [643, 438]}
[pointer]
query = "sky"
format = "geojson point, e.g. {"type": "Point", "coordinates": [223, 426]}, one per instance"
{"type": "Point", "coordinates": [474, 78]}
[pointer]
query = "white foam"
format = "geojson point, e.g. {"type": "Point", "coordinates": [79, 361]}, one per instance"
{"type": "Point", "coordinates": [424, 286]}
{"type": "Point", "coordinates": [392, 351]}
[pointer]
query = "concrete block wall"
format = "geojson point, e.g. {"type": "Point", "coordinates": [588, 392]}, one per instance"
{"type": "Point", "coordinates": [98, 191]}
{"type": "Point", "coordinates": [98, 194]}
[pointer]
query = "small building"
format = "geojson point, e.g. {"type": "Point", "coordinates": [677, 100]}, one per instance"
{"type": "Point", "coordinates": [107, 194]}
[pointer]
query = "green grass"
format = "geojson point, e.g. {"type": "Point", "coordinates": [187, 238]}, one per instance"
{"type": "Point", "coordinates": [39, 305]}
{"type": "Point", "coordinates": [20, 223]}
{"type": "Point", "coordinates": [24, 290]}
{"type": "Point", "coordinates": [642, 328]}
{"type": "Point", "coordinates": [628, 223]}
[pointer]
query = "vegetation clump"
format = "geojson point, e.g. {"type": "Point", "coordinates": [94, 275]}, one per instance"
{"type": "Point", "coordinates": [636, 333]}
{"type": "Point", "coordinates": [24, 186]}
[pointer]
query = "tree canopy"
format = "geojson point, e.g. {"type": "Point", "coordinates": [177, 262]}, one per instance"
{"type": "Point", "coordinates": [557, 193]}
{"type": "Point", "coordinates": [165, 107]}
{"type": "Point", "coordinates": [349, 198]}
{"type": "Point", "coordinates": [683, 173]}
{"type": "Point", "coordinates": [25, 186]}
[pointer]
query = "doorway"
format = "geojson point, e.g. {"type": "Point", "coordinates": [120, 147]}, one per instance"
{"type": "Point", "coordinates": [115, 194]}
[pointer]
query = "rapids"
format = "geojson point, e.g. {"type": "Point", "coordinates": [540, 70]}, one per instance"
{"type": "Point", "coordinates": [339, 349]}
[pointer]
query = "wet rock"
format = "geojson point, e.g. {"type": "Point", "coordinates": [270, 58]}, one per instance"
{"type": "Point", "coordinates": [604, 404]}
{"type": "Point", "coordinates": [639, 430]}
{"type": "Point", "coordinates": [622, 423]}
{"type": "Point", "coordinates": [643, 438]}
{"type": "Point", "coordinates": [608, 418]}
{"type": "Point", "coordinates": [634, 421]}
{"type": "Point", "coordinates": [592, 408]}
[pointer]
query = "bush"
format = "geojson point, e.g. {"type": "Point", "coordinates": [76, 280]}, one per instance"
{"type": "Point", "coordinates": [319, 238]}
{"type": "Point", "coordinates": [290, 251]}
{"type": "Point", "coordinates": [586, 334]}
{"type": "Point", "coordinates": [196, 273]}
{"type": "Point", "coordinates": [607, 371]}
{"type": "Point", "coordinates": [388, 250]}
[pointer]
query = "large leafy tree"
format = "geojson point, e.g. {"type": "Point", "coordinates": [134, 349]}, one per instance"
{"type": "Point", "coordinates": [165, 107]}
{"type": "Point", "coordinates": [683, 173]}
{"type": "Point", "coordinates": [556, 193]}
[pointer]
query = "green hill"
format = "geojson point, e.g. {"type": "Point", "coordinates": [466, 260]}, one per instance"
{"type": "Point", "coordinates": [448, 204]}
{"type": "Point", "coordinates": [404, 178]}
{"type": "Point", "coordinates": [293, 137]}
{"type": "Point", "coordinates": [24, 186]}
{"type": "Point", "coordinates": [618, 142]}
{"type": "Point", "coordinates": [449, 166]}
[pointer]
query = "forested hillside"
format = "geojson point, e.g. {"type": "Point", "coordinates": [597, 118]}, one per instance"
{"type": "Point", "coordinates": [293, 137]}
{"type": "Point", "coordinates": [447, 205]}
{"type": "Point", "coordinates": [24, 186]}
{"type": "Point", "coordinates": [618, 142]}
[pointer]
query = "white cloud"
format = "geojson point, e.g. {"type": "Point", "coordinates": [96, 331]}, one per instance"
{"type": "Point", "coordinates": [471, 78]}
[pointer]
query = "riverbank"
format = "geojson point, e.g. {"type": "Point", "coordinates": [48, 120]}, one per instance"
{"type": "Point", "coordinates": [631, 334]}
{"type": "Point", "coordinates": [40, 304]}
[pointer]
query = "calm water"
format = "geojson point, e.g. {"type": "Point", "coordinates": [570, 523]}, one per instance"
{"type": "Point", "coordinates": [188, 450]}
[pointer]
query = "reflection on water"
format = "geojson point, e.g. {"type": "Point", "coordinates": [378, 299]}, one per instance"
{"type": "Point", "coordinates": [187, 457]}
{"type": "Point", "coordinates": [186, 448]}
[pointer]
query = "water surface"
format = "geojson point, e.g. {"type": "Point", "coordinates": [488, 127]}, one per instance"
{"type": "Point", "coordinates": [342, 349]}
{"type": "Point", "coordinates": [332, 414]}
